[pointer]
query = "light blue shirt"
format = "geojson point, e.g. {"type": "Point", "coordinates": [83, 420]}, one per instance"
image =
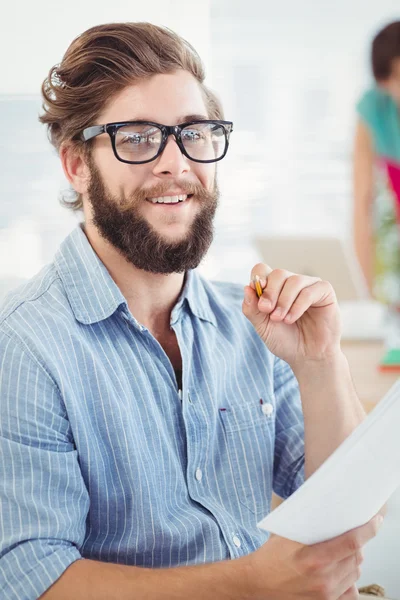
{"type": "Point", "coordinates": [101, 455]}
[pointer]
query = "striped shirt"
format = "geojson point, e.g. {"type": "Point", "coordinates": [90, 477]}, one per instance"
{"type": "Point", "coordinates": [103, 457]}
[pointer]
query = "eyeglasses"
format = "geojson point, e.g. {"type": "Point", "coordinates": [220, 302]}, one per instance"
{"type": "Point", "coordinates": [139, 142]}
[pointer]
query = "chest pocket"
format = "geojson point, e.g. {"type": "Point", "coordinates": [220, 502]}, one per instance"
{"type": "Point", "coordinates": [249, 432]}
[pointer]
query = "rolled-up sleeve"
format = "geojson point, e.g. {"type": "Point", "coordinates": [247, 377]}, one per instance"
{"type": "Point", "coordinates": [289, 432]}
{"type": "Point", "coordinates": [43, 498]}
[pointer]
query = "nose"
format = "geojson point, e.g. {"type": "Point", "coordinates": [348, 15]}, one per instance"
{"type": "Point", "coordinates": [171, 161]}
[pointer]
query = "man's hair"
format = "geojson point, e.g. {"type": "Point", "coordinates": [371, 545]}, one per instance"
{"type": "Point", "coordinates": [385, 49]}
{"type": "Point", "coordinates": [99, 64]}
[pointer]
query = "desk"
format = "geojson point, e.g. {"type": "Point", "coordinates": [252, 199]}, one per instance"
{"type": "Point", "coordinates": [370, 383]}
{"type": "Point", "coordinates": [369, 597]}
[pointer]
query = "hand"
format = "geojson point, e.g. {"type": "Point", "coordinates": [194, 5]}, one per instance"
{"type": "Point", "coordinates": [308, 326]}
{"type": "Point", "coordinates": [286, 570]}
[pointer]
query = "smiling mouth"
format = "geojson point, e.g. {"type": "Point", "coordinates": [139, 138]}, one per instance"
{"type": "Point", "coordinates": [170, 200]}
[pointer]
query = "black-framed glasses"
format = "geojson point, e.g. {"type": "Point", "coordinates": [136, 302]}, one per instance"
{"type": "Point", "coordinates": [138, 142]}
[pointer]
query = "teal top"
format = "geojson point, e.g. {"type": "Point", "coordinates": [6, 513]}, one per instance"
{"type": "Point", "coordinates": [380, 112]}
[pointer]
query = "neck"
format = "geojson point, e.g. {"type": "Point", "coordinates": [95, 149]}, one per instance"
{"type": "Point", "coordinates": [150, 297]}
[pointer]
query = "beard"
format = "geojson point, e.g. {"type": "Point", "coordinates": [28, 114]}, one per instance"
{"type": "Point", "coordinates": [119, 222]}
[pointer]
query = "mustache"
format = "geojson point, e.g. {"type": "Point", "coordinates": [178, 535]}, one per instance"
{"type": "Point", "coordinates": [163, 189]}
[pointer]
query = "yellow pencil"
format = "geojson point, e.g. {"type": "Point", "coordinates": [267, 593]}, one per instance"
{"type": "Point", "coordinates": [257, 285]}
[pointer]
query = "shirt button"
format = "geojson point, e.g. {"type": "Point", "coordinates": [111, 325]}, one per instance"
{"type": "Point", "coordinates": [236, 541]}
{"type": "Point", "coordinates": [199, 474]}
{"type": "Point", "coordinates": [267, 409]}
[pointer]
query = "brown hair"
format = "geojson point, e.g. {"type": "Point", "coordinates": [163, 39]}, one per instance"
{"type": "Point", "coordinates": [385, 48]}
{"type": "Point", "coordinates": [100, 63]}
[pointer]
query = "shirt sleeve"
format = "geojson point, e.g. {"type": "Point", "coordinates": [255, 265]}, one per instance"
{"type": "Point", "coordinates": [43, 498]}
{"type": "Point", "coordinates": [368, 108]}
{"type": "Point", "coordinates": [289, 432]}
{"type": "Point", "coordinates": [375, 109]}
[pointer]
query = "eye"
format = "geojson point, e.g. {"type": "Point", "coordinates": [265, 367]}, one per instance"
{"type": "Point", "coordinates": [193, 135]}
{"type": "Point", "coordinates": [138, 136]}
{"type": "Point", "coordinates": [131, 138]}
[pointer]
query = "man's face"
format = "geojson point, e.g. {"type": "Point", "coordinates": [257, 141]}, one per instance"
{"type": "Point", "coordinates": [392, 84]}
{"type": "Point", "coordinates": [156, 237]}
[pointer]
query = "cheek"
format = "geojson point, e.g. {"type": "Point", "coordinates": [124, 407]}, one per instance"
{"type": "Point", "coordinates": [206, 175]}
{"type": "Point", "coordinates": [121, 178]}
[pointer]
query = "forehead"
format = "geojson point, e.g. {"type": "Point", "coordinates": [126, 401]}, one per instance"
{"type": "Point", "coordinates": [165, 98]}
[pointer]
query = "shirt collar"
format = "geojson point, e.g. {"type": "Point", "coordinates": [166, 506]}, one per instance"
{"type": "Point", "coordinates": [93, 294]}
{"type": "Point", "coordinates": [90, 289]}
{"type": "Point", "coordinates": [195, 294]}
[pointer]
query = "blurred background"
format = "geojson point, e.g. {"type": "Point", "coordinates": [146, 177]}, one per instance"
{"type": "Point", "coordinates": [289, 75]}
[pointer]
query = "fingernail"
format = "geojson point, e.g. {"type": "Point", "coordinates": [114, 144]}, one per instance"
{"type": "Point", "coordinates": [277, 312]}
{"type": "Point", "coordinates": [265, 303]}
{"type": "Point", "coordinates": [379, 520]}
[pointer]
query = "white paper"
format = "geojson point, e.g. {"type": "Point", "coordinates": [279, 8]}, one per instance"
{"type": "Point", "coordinates": [351, 486]}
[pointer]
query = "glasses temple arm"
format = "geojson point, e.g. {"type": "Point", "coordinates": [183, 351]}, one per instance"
{"type": "Point", "coordinates": [91, 132]}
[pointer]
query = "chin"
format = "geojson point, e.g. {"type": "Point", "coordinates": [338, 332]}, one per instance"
{"type": "Point", "coordinates": [172, 235]}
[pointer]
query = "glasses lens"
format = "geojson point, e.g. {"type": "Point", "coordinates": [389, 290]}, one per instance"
{"type": "Point", "coordinates": [204, 141]}
{"type": "Point", "coordinates": [138, 142]}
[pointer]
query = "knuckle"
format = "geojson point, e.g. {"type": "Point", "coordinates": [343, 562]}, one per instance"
{"type": "Point", "coordinates": [312, 565]}
{"type": "Point", "coordinates": [297, 279]}
{"type": "Point", "coordinates": [324, 590]}
{"type": "Point", "coordinates": [306, 293]}
{"type": "Point", "coordinates": [259, 267]}
{"type": "Point", "coordinates": [359, 557]}
{"type": "Point", "coordinates": [354, 544]}
{"type": "Point", "coordinates": [280, 273]}
{"type": "Point", "coordinates": [330, 290]}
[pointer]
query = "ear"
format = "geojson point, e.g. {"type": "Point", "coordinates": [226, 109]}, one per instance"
{"type": "Point", "coordinates": [75, 167]}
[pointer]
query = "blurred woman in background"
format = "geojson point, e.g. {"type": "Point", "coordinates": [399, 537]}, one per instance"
{"type": "Point", "coordinates": [377, 171]}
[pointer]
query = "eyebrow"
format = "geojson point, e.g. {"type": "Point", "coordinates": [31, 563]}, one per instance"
{"type": "Point", "coordinates": [192, 118]}
{"type": "Point", "coordinates": [184, 119]}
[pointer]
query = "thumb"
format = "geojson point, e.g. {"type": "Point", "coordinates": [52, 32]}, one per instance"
{"type": "Point", "coordinates": [250, 307]}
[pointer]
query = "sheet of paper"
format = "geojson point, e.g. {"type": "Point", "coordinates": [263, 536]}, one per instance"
{"type": "Point", "coordinates": [351, 485]}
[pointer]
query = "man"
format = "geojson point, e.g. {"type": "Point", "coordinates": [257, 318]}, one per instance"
{"type": "Point", "coordinates": [144, 418]}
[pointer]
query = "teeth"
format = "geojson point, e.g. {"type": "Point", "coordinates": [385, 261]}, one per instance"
{"type": "Point", "coordinates": [168, 199]}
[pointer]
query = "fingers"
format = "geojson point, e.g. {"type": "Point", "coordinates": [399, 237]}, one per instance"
{"type": "Point", "coordinates": [287, 296]}
{"type": "Point", "coordinates": [349, 571]}
{"type": "Point", "coordinates": [272, 290]}
{"type": "Point", "coordinates": [351, 542]}
{"type": "Point", "coordinates": [350, 594]}
{"type": "Point", "coordinates": [262, 270]}
{"type": "Point", "coordinates": [294, 298]}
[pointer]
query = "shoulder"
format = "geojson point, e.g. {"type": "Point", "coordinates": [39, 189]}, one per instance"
{"type": "Point", "coordinates": [30, 311]}
{"type": "Point", "coordinates": [373, 105]}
